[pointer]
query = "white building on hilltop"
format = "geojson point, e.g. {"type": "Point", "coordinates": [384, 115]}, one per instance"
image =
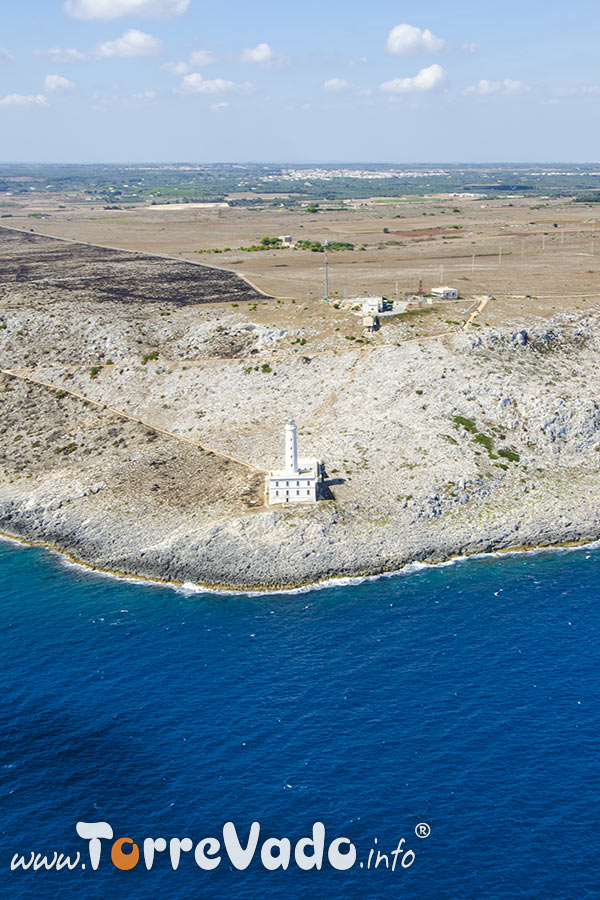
{"type": "Point", "coordinates": [370, 305]}
{"type": "Point", "coordinates": [297, 481]}
{"type": "Point", "coordinates": [445, 293]}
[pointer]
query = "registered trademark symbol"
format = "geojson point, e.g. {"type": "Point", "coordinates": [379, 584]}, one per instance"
{"type": "Point", "coordinates": [422, 830]}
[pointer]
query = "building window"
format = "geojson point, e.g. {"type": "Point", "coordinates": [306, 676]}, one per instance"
{"type": "Point", "coordinates": [297, 493]}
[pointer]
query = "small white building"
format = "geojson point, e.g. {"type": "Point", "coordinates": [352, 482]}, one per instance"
{"type": "Point", "coordinates": [370, 323]}
{"type": "Point", "coordinates": [285, 239]}
{"type": "Point", "coordinates": [297, 481]}
{"type": "Point", "coordinates": [445, 293]}
{"type": "Point", "coordinates": [370, 305]}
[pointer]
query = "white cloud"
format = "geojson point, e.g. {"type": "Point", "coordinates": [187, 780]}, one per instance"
{"type": "Point", "coordinates": [219, 107]}
{"type": "Point", "coordinates": [507, 87]}
{"type": "Point", "coordinates": [57, 83]}
{"type": "Point", "coordinates": [196, 84]}
{"type": "Point", "coordinates": [197, 58]}
{"type": "Point", "coordinates": [468, 47]}
{"type": "Point", "coordinates": [6, 56]}
{"type": "Point", "coordinates": [60, 55]}
{"type": "Point", "coordinates": [132, 43]}
{"type": "Point", "coordinates": [23, 100]}
{"type": "Point", "coordinates": [202, 58]}
{"type": "Point", "coordinates": [176, 68]}
{"type": "Point", "coordinates": [262, 53]}
{"type": "Point", "coordinates": [405, 39]}
{"type": "Point", "coordinates": [114, 9]}
{"type": "Point", "coordinates": [336, 85]}
{"type": "Point", "coordinates": [427, 79]}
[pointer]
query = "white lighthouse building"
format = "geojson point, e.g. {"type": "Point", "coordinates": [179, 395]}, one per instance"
{"type": "Point", "coordinates": [297, 481]}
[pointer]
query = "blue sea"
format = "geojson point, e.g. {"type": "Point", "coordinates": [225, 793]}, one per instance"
{"type": "Point", "coordinates": [458, 702]}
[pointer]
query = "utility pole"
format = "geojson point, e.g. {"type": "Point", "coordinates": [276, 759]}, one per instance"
{"type": "Point", "coordinates": [473, 263]}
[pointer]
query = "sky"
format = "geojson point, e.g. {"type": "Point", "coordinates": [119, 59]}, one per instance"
{"type": "Point", "coordinates": [198, 81]}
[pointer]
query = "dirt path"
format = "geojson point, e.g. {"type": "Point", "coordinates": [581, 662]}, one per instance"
{"type": "Point", "coordinates": [475, 313]}
{"type": "Point", "coordinates": [125, 415]}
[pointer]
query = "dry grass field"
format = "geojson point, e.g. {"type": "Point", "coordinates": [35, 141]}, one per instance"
{"type": "Point", "coordinates": [535, 257]}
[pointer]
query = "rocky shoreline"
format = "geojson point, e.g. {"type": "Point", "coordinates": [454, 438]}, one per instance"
{"type": "Point", "coordinates": [111, 518]}
{"type": "Point", "coordinates": [142, 504]}
{"type": "Point", "coordinates": [265, 576]}
{"type": "Point", "coordinates": [330, 580]}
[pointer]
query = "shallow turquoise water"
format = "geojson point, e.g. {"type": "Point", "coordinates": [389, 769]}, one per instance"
{"type": "Point", "coordinates": [464, 697]}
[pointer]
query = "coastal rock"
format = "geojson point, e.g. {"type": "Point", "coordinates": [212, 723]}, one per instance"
{"type": "Point", "coordinates": [410, 481]}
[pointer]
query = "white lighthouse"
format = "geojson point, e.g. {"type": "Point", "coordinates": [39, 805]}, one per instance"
{"type": "Point", "coordinates": [297, 481]}
{"type": "Point", "coordinates": [291, 447]}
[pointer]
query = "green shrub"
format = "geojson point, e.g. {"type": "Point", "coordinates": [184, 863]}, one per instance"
{"type": "Point", "coordinates": [484, 439]}
{"type": "Point", "coordinates": [469, 424]}
{"type": "Point", "coordinates": [511, 455]}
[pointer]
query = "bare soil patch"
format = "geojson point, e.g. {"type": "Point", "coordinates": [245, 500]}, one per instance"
{"type": "Point", "coordinates": [102, 274]}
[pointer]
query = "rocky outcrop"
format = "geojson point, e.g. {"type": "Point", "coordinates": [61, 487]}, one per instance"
{"type": "Point", "coordinates": [450, 446]}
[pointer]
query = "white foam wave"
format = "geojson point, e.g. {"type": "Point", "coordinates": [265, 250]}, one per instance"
{"type": "Point", "coordinates": [415, 567]}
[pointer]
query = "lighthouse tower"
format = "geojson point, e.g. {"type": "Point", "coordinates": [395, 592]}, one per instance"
{"type": "Point", "coordinates": [297, 481]}
{"type": "Point", "coordinates": [291, 448]}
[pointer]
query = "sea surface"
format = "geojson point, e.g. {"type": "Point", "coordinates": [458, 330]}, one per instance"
{"type": "Point", "coordinates": [464, 698]}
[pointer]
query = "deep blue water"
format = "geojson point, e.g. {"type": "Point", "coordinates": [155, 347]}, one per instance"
{"type": "Point", "coordinates": [465, 697]}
